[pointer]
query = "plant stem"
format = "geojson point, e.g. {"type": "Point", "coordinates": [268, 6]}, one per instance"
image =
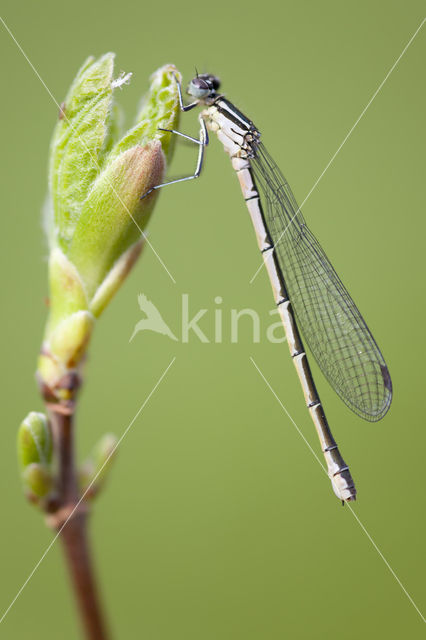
{"type": "Point", "coordinates": [77, 551]}
{"type": "Point", "coordinates": [63, 437]}
{"type": "Point", "coordinates": [73, 533]}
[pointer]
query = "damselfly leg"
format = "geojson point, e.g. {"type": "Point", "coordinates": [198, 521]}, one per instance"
{"type": "Point", "coordinates": [184, 107]}
{"type": "Point", "coordinates": [202, 142]}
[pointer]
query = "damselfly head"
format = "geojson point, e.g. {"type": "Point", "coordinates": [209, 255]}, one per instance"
{"type": "Point", "coordinates": [203, 86]}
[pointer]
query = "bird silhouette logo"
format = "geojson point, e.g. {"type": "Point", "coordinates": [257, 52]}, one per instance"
{"type": "Point", "coordinates": [153, 321]}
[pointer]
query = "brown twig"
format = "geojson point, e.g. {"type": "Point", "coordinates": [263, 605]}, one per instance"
{"type": "Point", "coordinates": [70, 518]}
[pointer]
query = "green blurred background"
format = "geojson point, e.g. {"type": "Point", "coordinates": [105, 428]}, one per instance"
{"type": "Point", "coordinates": [218, 523]}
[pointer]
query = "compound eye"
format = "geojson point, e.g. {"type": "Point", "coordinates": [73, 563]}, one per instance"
{"type": "Point", "coordinates": [199, 88]}
{"type": "Point", "coordinates": [202, 84]}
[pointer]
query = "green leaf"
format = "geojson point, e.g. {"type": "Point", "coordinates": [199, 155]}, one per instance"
{"type": "Point", "coordinates": [114, 279]}
{"type": "Point", "coordinates": [77, 148]}
{"type": "Point", "coordinates": [159, 109]}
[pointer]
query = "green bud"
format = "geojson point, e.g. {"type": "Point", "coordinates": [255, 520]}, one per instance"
{"type": "Point", "coordinates": [67, 293]}
{"type": "Point", "coordinates": [113, 214]}
{"type": "Point", "coordinates": [95, 218]}
{"type": "Point", "coordinates": [96, 180]}
{"type": "Point", "coordinates": [96, 469]}
{"type": "Point", "coordinates": [35, 455]}
{"type": "Point", "coordinates": [37, 480]}
{"type": "Point", "coordinates": [65, 347]}
{"type": "Point", "coordinates": [85, 477]}
{"type": "Point", "coordinates": [69, 340]}
{"type": "Point", "coordinates": [34, 440]}
{"type": "Point", "coordinates": [104, 453]}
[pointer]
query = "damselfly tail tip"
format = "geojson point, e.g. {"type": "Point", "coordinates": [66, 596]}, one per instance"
{"type": "Point", "coordinates": [343, 486]}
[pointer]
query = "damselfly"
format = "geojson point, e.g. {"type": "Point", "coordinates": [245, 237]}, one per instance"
{"type": "Point", "coordinates": [307, 290]}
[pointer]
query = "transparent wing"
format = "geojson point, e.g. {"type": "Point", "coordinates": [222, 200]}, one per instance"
{"type": "Point", "coordinates": [328, 318]}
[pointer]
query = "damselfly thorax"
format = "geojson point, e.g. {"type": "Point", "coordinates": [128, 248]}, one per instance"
{"type": "Point", "coordinates": [237, 133]}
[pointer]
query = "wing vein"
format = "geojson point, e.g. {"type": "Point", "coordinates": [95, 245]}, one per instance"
{"type": "Point", "coordinates": [329, 320]}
